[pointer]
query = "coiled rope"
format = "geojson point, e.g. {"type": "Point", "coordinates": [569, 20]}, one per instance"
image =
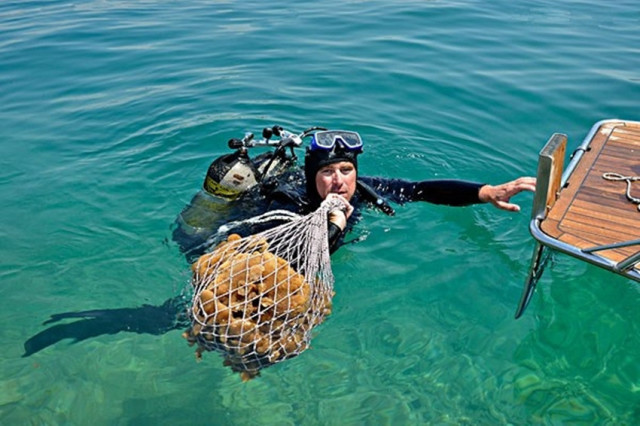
{"type": "Point", "coordinates": [617, 177]}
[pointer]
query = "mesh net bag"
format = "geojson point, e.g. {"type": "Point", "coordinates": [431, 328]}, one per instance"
{"type": "Point", "coordinates": [256, 299]}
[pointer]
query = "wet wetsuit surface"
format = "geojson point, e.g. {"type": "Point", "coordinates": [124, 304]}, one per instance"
{"type": "Point", "coordinates": [288, 192]}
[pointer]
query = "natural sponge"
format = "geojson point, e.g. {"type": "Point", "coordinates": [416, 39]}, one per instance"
{"type": "Point", "coordinates": [253, 306]}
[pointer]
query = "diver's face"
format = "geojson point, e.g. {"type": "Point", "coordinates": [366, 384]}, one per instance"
{"type": "Point", "coordinates": [337, 178]}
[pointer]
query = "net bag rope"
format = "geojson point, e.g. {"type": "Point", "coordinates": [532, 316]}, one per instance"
{"type": "Point", "coordinates": [256, 299]}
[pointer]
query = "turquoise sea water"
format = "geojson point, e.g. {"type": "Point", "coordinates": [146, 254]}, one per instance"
{"type": "Point", "coordinates": [111, 112]}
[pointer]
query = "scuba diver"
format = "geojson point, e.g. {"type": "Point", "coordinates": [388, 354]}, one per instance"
{"type": "Point", "coordinates": [330, 169]}
{"type": "Point", "coordinates": [237, 188]}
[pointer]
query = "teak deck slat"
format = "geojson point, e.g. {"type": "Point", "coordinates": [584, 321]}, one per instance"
{"type": "Point", "coordinates": [591, 210]}
{"type": "Point", "coordinates": [604, 214]}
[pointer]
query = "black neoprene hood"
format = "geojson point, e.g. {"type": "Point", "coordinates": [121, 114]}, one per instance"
{"type": "Point", "coordinates": [315, 159]}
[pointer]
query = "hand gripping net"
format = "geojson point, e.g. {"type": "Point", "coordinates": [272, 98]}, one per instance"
{"type": "Point", "coordinates": [256, 299]}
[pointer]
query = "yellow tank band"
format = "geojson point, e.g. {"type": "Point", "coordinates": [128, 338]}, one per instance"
{"type": "Point", "coordinates": [215, 188]}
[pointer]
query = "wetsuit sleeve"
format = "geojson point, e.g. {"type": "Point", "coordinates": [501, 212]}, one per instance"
{"type": "Point", "coordinates": [448, 192]}
{"type": "Point", "coordinates": [334, 237]}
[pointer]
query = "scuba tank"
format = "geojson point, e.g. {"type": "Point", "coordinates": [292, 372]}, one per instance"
{"type": "Point", "coordinates": [230, 175]}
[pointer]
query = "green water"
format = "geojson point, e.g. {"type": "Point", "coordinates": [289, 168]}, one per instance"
{"type": "Point", "coordinates": [111, 112]}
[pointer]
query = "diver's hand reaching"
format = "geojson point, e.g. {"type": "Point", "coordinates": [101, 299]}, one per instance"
{"type": "Point", "coordinates": [340, 215]}
{"type": "Point", "coordinates": [500, 195]}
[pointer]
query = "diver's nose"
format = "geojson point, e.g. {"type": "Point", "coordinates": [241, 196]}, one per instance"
{"type": "Point", "coordinates": [337, 178]}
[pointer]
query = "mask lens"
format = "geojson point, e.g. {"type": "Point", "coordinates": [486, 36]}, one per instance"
{"type": "Point", "coordinates": [328, 139]}
{"type": "Point", "coordinates": [324, 140]}
{"type": "Point", "coordinates": [351, 140]}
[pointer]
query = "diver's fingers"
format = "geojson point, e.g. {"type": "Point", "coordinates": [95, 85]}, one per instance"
{"type": "Point", "coordinates": [526, 183]}
{"type": "Point", "coordinates": [510, 207]}
{"type": "Point", "coordinates": [346, 207]}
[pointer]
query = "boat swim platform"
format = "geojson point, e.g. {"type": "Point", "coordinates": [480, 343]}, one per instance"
{"type": "Point", "coordinates": [591, 210]}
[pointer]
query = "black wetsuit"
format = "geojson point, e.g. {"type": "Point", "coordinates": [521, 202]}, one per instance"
{"type": "Point", "coordinates": [287, 192]}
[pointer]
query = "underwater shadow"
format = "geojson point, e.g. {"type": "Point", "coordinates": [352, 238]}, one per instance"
{"type": "Point", "coordinates": [145, 319]}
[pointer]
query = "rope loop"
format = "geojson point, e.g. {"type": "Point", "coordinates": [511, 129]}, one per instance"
{"type": "Point", "coordinates": [617, 177]}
